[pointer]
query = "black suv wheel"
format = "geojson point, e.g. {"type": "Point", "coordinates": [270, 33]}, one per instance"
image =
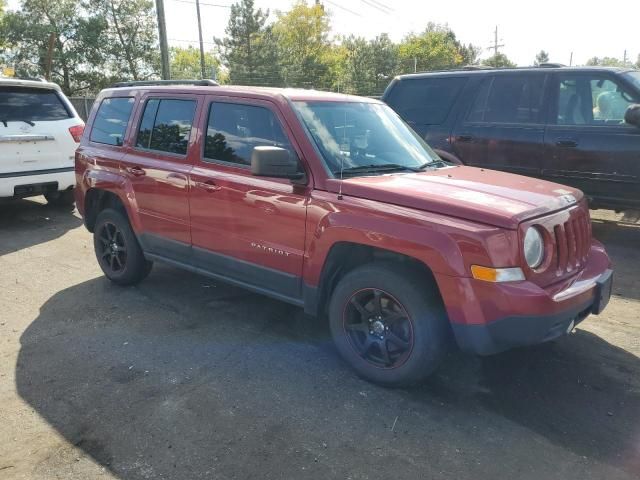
{"type": "Point", "coordinates": [388, 323]}
{"type": "Point", "coordinates": [117, 249]}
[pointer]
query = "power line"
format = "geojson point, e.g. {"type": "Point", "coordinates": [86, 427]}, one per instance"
{"type": "Point", "coordinates": [341, 8]}
{"type": "Point", "coordinates": [370, 3]}
{"type": "Point", "coordinates": [383, 5]}
{"type": "Point", "coordinates": [203, 3]}
{"type": "Point", "coordinates": [190, 41]}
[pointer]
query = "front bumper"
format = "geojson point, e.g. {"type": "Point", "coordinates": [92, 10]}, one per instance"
{"type": "Point", "coordinates": [494, 317]}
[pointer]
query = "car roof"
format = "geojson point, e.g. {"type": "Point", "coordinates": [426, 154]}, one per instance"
{"type": "Point", "coordinates": [19, 82]}
{"type": "Point", "coordinates": [472, 70]}
{"type": "Point", "coordinates": [293, 94]}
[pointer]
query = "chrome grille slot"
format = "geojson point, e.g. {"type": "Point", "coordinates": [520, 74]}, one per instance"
{"type": "Point", "coordinates": [561, 247]}
{"type": "Point", "coordinates": [572, 242]}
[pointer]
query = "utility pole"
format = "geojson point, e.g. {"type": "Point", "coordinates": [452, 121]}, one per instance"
{"type": "Point", "coordinates": [162, 33]}
{"type": "Point", "coordinates": [202, 67]}
{"type": "Point", "coordinates": [624, 62]}
{"type": "Point", "coordinates": [47, 72]}
{"type": "Point", "coordinates": [495, 46]}
{"type": "Point", "coordinates": [571, 60]}
{"type": "Point", "coordinates": [415, 64]}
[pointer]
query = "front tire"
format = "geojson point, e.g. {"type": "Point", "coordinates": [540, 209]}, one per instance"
{"type": "Point", "coordinates": [117, 249]}
{"type": "Point", "coordinates": [388, 323]}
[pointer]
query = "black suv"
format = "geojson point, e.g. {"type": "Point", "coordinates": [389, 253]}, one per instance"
{"type": "Point", "coordinates": [576, 126]}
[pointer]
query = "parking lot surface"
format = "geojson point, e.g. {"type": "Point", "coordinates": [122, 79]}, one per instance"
{"type": "Point", "coordinates": [182, 377]}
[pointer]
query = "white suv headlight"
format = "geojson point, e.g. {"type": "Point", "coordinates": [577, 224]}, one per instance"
{"type": "Point", "coordinates": [533, 247]}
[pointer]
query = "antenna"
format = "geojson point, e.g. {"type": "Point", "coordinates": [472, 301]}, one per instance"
{"type": "Point", "coordinates": [344, 138]}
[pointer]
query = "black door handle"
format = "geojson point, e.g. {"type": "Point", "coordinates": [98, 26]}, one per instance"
{"type": "Point", "coordinates": [464, 138]}
{"type": "Point", "coordinates": [208, 185]}
{"type": "Point", "coordinates": [136, 171]}
{"type": "Point", "coordinates": [566, 143]}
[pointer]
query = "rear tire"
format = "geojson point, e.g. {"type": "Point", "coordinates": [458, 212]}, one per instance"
{"type": "Point", "coordinates": [60, 199]}
{"type": "Point", "coordinates": [117, 249]}
{"type": "Point", "coordinates": [388, 323]}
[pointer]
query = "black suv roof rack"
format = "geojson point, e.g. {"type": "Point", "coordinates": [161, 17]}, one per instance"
{"type": "Point", "coordinates": [474, 67]}
{"type": "Point", "coordinates": [151, 83]}
{"type": "Point", "coordinates": [551, 65]}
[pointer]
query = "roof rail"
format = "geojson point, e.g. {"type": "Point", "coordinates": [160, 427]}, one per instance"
{"type": "Point", "coordinates": [551, 65]}
{"type": "Point", "coordinates": [474, 67]}
{"type": "Point", "coordinates": [150, 83]}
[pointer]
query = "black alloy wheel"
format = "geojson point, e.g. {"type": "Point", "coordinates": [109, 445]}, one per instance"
{"type": "Point", "coordinates": [378, 328]}
{"type": "Point", "coordinates": [113, 252]}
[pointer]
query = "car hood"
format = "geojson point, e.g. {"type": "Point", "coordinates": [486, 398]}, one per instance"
{"type": "Point", "coordinates": [487, 196]}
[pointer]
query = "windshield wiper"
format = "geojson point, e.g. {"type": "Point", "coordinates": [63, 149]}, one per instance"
{"type": "Point", "coordinates": [382, 167]}
{"type": "Point", "coordinates": [28, 122]}
{"type": "Point", "coordinates": [433, 163]}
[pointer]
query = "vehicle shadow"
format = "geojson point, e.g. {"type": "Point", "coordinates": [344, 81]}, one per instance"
{"type": "Point", "coordinates": [29, 222]}
{"type": "Point", "coordinates": [181, 377]}
{"type": "Point", "coordinates": [621, 241]}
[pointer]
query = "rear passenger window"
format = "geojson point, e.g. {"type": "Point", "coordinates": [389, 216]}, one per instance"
{"type": "Point", "coordinates": [166, 125]}
{"type": "Point", "coordinates": [425, 101]}
{"type": "Point", "coordinates": [233, 130]}
{"type": "Point", "coordinates": [111, 121]}
{"type": "Point", "coordinates": [509, 99]}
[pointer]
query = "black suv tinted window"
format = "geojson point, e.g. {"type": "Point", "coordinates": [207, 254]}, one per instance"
{"type": "Point", "coordinates": [591, 100]}
{"type": "Point", "coordinates": [234, 129]}
{"type": "Point", "coordinates": [166, 125]}
{"type": "Point", "coordinates": [509, 99]}
{"type": "Point", "coordinates": [425, 101]}
{"type": "Point", "coordinates": [111, 121]}
{"type": "Point", "coordinates": [31, 104]}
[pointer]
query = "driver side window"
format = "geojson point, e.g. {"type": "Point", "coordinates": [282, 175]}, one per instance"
{"type": "Point", "coordinates": [609, 101]}
{"type": "Point", "coordinates": [591, 101]}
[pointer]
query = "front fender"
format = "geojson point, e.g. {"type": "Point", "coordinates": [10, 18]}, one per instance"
{"type": "Point", "coordinates": [447, 246]}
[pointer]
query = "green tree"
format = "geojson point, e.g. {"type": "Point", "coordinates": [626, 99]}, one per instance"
{"type": "Point", "coordinates": [605, 62]}
{"type": "Point", "coordinates": [435, 48]}
{"type": "Point", "coordinates": [470, 54]}
{"type": "Point", "coordinates": [364, 67]}
{"type": "Point", "coordinates": [185, 63]}
{"type": "Point", "coordinates": [385, 61]}
{"type": "Point", "coordinates": [249, 50]}
{"type": "Point", "coordinates": [302, 36]}
{"type": "Point", "coordinates": [500, 60]}
{"type": "Point", "coordinates": [541, 57]}
{"type": "Point", "coordinates": [128, 42]}
{"type": "Point", "coordinates": [76, 65]}
{"type": "Point", "coordinates": [359, 57]}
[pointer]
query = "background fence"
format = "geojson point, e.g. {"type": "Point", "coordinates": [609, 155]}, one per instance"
{"type": "Point", "coordinates": [82, 105]}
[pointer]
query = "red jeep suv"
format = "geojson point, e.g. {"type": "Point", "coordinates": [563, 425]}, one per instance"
{"type": "Point", "coordinates": [330, 202]}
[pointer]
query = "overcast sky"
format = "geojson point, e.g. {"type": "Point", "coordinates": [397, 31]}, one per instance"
{"type": "Point", "coordinates": [602, 28]}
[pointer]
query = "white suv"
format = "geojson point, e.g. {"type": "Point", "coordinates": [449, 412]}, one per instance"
{"type": "Point", "coordinates": [39, 133]}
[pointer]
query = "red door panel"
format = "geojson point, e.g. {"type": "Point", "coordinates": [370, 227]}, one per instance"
{"type": "Point", "coordinates": [242, 226]}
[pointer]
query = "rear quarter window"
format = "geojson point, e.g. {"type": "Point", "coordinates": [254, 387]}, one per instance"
{"type": "Point", "coordinates": [112, 118]}
{"type": "Point", "coordinates": [31, 104]}
{"type": "Point", "coordinates": [425, 101]}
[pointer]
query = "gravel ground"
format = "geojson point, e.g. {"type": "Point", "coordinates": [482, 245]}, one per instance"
{"type": "Point", "coordinates": [185, 378]}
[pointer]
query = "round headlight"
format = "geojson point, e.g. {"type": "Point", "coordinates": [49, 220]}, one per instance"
{"type": "Point", "coordinates": [533, 247]}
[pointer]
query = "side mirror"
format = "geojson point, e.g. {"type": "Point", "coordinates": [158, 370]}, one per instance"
{"type": "Point", "coordinates": [632, 115]}
{"type": "Point", "coordinates": [275, 162]}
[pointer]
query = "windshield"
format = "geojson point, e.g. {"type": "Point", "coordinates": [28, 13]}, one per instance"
{"type": "Point", "coordinates": [635, 78]}
{"type": "Point", "coordinates": [364, 137]}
